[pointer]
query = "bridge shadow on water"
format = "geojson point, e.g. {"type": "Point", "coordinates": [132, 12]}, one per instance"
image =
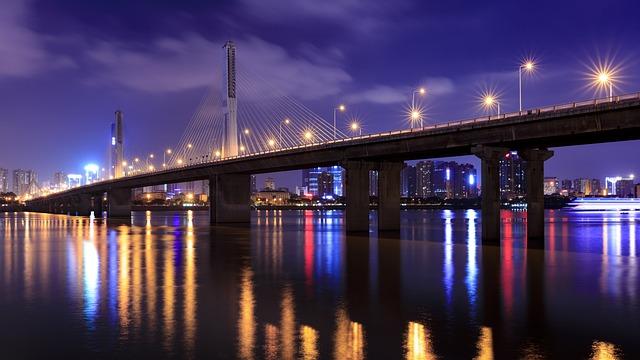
{"type": "Point", "coordinates": [294, 285]}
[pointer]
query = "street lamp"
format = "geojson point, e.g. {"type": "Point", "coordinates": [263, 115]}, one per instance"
{"type": "Point", "coordinates": [286, 122]}
{"type": "Point", "coordinates": [604, 79]}
{"type": "Point", "coordinates": [340, 108]}
{"type": "Point", "coordinates": [164, 156]}
{"type": "Point", "coordinates": [308, 135]}
{"type": "Point", "coordinates": [489, 101]}
{"type": "Point", "coordinates": [527, 66]}
{"type": "Point", "coordinates": [421, 91]}
{"type": "Point", "coordinates": [355, 127]}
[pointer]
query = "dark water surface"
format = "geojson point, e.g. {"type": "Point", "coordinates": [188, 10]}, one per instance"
{"type": "Point", "coordinates": [294, 286]}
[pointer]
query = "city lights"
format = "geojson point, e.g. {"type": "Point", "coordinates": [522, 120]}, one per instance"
{"type": "Point", "coordinates": [271, 142]}
{"type": "Point", "coordinates": [308, 135]}
{"type": "Point", "coordinates": [490, 100]}
{"type": "Point", "coordinates": [355, 127]}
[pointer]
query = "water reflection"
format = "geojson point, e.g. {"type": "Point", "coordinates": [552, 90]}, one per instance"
{"type": "Point", "coordinates": [295, 286]}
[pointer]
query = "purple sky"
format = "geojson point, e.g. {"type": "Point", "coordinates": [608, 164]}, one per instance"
{"type": "Point", "coordinates": [65, 66]}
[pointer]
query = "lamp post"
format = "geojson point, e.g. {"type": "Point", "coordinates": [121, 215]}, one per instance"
{"type": "Point", "coordinates": [604, 79]}
{"type": "Point", "coordinates": [489, 101]}
{"type": "Point", "coordinates": [527, 66]}
{"type": "Point", "coordinates": [420, 91]}
{"type": "Point", "coordinates": [164, 157]}
{"type": "Point", "coordinates": [340, 108]}
{"type": "Point", "coordinates": [286, 122]}
{"type": "Point", "coordinates": [355, 127]}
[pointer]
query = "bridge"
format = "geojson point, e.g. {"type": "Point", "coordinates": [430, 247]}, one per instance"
{"type": "Point", "coordinates": [214, 148]}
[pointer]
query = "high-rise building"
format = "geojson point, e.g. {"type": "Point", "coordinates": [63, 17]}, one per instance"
{"type": "Point", "coordinates": [74, 180]}
{"type": "Point", "coordinates": [551, 186]}
{"type": "Point", "coordinates": [625, 188]}
{"type": "Point", "coordinates": [512, 176]}
{"type": "Point", "coordinates": [582, 187]}
{"type": "Point", "coordinates": [442, 179]}
{"type": "Point", "coordinates": [325, 184]}
{"type": "Point", "coordinates": [567, 187]}
{"type": "Point", "coordinates": [230, 103]}
{"type": "Point", "coordinates": [596, 189]}
{"type": "Point", "coordinates": [310, 179]}
{"type": "Point", "coordinates": [408, 181]}
{"type": "Point", "coordinates": [424, 178]}
{"type": "Point", "coordinates": [59, 180]}
{"type": "Point", "coordinates": [4, 180]}
{"type": "Point", "coordinates": [116, 147]}
{"type": "Point", "coordinates": [24, 181]}
{"type": "Point", "coordinates": [464, 181]}
{"type": "Point", "coordinates": [619, 186]}
{"type": "Point", "coordinates": [269, 184]}
{"type": "Point", "coordinates": [254, 186]}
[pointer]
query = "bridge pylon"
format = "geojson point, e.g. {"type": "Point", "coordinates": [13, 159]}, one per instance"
{"type": "Point", "coordinates": [230, 103]}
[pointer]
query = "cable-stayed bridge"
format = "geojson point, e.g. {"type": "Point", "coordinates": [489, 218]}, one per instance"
{"type": "Point", "coordinates": [246, 127]}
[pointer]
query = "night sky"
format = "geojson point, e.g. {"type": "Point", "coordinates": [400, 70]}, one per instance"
{"type": "Point", "coordinates": [66, 66]}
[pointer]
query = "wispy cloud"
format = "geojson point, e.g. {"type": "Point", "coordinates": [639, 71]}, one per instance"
{"type": "Point", "coordinates": [383, 94]}
{"type": "Point", "coordinates": [23, 52]}
{"type": "Point", "coordinates": [191, 61]}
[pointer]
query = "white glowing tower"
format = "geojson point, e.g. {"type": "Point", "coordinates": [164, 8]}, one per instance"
{"type": "Point", "coordinates": [230, 103]}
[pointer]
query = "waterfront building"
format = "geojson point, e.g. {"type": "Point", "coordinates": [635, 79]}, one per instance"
{"type": "Point", "coordinates": [4, 180]}
{"type": "Point", "coordinates": [582, 187]}
{"type": "Point", "coordinates": [74, 180]}
{"type": "Point", "coordinates": [24, 181]}
{"type": "Point", "coordinates": [408, 181]}
{"type": "Point", "coordinates": [551, 186]}
{"type": "Point", "coordinates": [269, 183]}
{"type": "Point", "coordinates": [512, 176]}
{"type": "Point", "coordinates": [310, 179]}
{"type": "Point", "coordinates": [270, 197]}
{"type": "Point", "coordinates": [325, 184]}
{"type": "Point", "coordinates": [424, 178]}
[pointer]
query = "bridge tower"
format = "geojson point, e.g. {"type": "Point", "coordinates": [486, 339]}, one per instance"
{"type": "Point", "coordinates": [230, 103]}
{"type": "Point", "coordinates": [116, 147]}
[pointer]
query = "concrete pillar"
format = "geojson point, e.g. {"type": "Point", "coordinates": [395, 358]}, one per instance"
{"type": "Point", "coordinates": [96, 205]}
{"type": "Point", "coordinates": [81, 205]}
{"type": "Point", "coordinates": [389, 196]}
{"type": "Point", "coordinates": [357, 195]}
{"type": "Point", "coordinates": [534, 173]}
{"type": "Point", "coordinates": [490, 182]}
{"type": "Point", "coordinates": [229, 196]}
{"type": "Point", "coordinates": [119, 203]}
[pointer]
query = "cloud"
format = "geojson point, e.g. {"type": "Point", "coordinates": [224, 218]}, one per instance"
{"type": "Point", "coordinates": [23, 52]}
{"type": "Point", "coordinates": [379, 94]}
{"type": "Point", "coordinates": [191, 61]}
{"type": "Point", "coordinates": [382, 94]}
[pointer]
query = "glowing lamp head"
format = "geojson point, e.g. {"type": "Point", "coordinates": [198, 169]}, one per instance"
{"type": "Point", "coordinates": [151, 168]}
{"type": "Point", "coordinates": [528, 65]}
{"type": "Point", "coordinates": [489, 100]}
{"type": "Point", "coordinates": [151, 156]}
{"type": "Point", "coordinates": [136, 160]}
{"type": "Point", "coordinates": [604, 77]}
{"type": "Point", "coordinates": [342, 108]}
{"type": "Point", "coordinates": [415, 114]}
{"type": "Point", "coordinates": [179, 161]}
{"type": "Point", "coordinates": [169, 151]}
{"type": "Point", "coordinates": [124, 163]}
{"type": "Point", "coordinates": [355, 126]}
{"type": "Point", "coordinates": [422, 91]}
{"type": "Point", "coordinates": [242, 148]}
{"type": "Point", "coordinates": [308, 135]}
{"type": "Point", "coordinates": [287, 121]}
{"type": "Point", "coordinates": [271, 142]}
{"type": "Point", "coordinates": [246, 131]}
{"type": "Point", "coordinates": [217, 153]}
{"type": "Point", "coordinates": [189, 146]}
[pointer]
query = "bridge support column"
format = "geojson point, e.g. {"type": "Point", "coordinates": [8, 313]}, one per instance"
{"type": "Point", "coordinates": [389, 196]}
{"type": "Point", "coordinates": [119, 203]}
{"type": "Point", "coordinates": [490, 182]}
{"type": "Point", "coordinates": [97, 205]}
{"type": "Point", "coordinates": [357, 195]}
{"type": "Point", "coordinates": [81, 205]}
{"type": "Point", "coordinates": [534, 173]}
{"type": "Point", "coordinates": [229, 196]}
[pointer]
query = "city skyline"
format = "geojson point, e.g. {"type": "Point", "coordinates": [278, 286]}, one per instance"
{"type": "Point", "coordinates": [157, 107]}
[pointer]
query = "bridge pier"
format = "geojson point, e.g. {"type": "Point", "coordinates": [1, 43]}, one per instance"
{"type": "Point", "coordinates": [388, 196]}
{"type": "Point", "coordinates": [119, 203]}
{"type": "Point", "coordinates": [357, 195]}
{"type": "Point", "coordinates": [229, 196]}
{"type": "Point", "coordinates": [534, 173]}
{"type": "Point", "coordinates": [81, 205]}
{"type": "Point", "coordinates": [490, 203]}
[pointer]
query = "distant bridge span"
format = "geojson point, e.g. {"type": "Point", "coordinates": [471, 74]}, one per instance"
{"type": "Point", "coordinates": [530, 132]}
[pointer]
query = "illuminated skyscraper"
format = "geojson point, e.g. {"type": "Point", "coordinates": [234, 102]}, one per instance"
{"type": "Point", "coordinates": [4, 180]}
{"type": "Point", "coordinates": [424, 178]}
{"type": "Point", "coordinates": [310, 179]}
{"type": "Point", "coordinates": [408, 181]}
{"type": "Point", "coordinates": [116, 147]}
{"type": "Point", "coordinates": [23, 181]}
{"type": "Point", "coordinates": [512, 176]}
{"type": "Point", "coordinates": [230, 102]}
